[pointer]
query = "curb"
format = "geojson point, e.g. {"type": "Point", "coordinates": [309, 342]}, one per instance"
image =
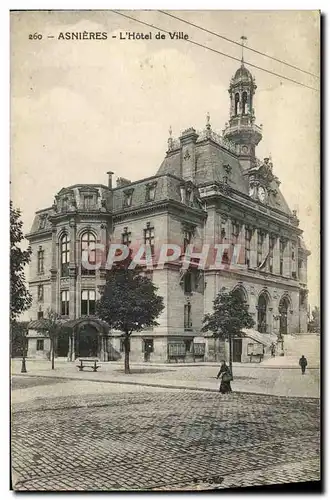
{"type": "Point", "coordinates": [164, 386]}
{"type": "Point", "coordinates": [190, 365]}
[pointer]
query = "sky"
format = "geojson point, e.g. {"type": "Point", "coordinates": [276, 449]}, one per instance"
{"type": "Point", "coordinates": [82, 107]}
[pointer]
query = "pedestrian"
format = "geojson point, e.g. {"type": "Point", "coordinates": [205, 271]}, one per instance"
{"type": "Point", "coordinates": [303, 364]}
{"type": "Point", "coordinates": [272, 350]}
{"type": "Point", "coordinates": [226, 378]}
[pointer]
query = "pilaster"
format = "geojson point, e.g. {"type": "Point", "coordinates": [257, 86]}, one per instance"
{"type": "Point", "coordinates": [72, 270]}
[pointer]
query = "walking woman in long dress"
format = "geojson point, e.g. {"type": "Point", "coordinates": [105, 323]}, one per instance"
{"type": "Point", "coordinates": [226, 377]}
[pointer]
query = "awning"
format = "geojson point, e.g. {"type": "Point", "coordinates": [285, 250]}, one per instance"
{"type": "Point", "coordinates": [266, 339]}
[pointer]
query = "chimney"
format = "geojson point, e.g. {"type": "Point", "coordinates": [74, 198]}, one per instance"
{"type": "Point", "coordinates": [110, 174]}
{"type": "Point", "coordinates": [188, 140]}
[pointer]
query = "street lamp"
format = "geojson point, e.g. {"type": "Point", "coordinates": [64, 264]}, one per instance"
{"type": "Point", "coordinates": [23, 368]}
{"type": "Point", "coordinates": [279, 336]}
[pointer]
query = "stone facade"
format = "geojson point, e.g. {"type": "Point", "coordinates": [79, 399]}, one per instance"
{"type": "Point", "coordinates": [210, 190]}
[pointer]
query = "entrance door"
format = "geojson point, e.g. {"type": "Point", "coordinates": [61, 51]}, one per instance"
{"type": "Point", "coordinates": [237, 350]}
{"type": "Point", "coordinates": [87, 342]}
{"type": "Point", "coordinates": [148, 349]}
{"type": "Point", "coordinates": [62, 347]}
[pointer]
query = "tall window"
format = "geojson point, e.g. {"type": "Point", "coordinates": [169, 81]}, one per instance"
{"type": "Point", "coordinates": [40, 314]}
{"type": "Point", "coordinates": [223, 231]}
{"type": "Point", "coordinates": [41, 254]}
{"type": "Point", "coordinates": [293, 258]}
{"type": "Point", "coordinates": [235, 233]}
{"type": "Point", "coordinates": [88, 242]}
{"type": "Point", "coordinates": [187, 282]}
{"type": "Point", "coordinates": [236, 103]}
{"type": "Point", "coordinates": [300, 265]}
{"type": "Point", "coordinates": [282, 249]}
{"type": "Point", "coordinates": [259, 247]}
{"type": "Point", "coordinates": [244, 103]}
{"type": "Point", "coordinates": [40, 293]}
{"type": "Point", "coordinates": [88, 201]}
{"type": "Point", "coordinates": [65, 303]}
{"type": "Point", "coordinates": [187, 317]}
{"type": "Point", "coordinates": [248, 237]}
{"type": "Point", "coordinates": [272, 242]}
{"type": "Point", "coordinates": [65, 255]}
{"type": "Point", "coordinates": [149, 237]}
{"type": "Point", "coordinates": [88, 302]}
{"type": "Point", "coordinates": [187, 237]}
{"type": "Point", "coordinates": [126, 237]}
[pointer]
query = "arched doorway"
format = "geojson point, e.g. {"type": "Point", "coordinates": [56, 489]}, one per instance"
{"type": "Point", "coordinates": [62, 344]}
{"type": "Point", "coordinates": [262, 313]}
{"type": "Point", "coordinates": [87, 341]}
{"type": "Point", "coordinates": [283, 311]}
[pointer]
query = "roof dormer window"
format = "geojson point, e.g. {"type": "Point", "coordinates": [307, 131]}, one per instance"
{"type": "Point", "coordinates": [151, 191]}
{"type": "Point", "coordinates": [128, 195]}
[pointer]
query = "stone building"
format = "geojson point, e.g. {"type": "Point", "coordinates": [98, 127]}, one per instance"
{"type": "Point", "coordinates": [211, 190]}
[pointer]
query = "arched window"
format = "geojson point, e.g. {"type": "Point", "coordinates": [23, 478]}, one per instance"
{"type": "Point", "coordinates": [244, 103]}
{"type": "Point", "coordinates": [88, 242]}
{"type": "Point", "coordinates": [262, 313]}
{"type": "Point", "coordinates": [65, 255]}
{"type": "Point", "coordinates": [236, 103]}
{"type": "Point", "coordinates": [239, 292]}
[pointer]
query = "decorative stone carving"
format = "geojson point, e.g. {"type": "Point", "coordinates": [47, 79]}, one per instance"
{"type": "Point", "coordinates": [186, 155]}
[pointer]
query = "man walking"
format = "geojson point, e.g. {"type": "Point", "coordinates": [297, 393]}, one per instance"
{"type": "Point", "coordinates": [303, 364]}
{"type": "Point", "coordinates": [272, 350]}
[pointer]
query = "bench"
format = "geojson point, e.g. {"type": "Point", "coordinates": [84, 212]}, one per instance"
{"type": "Point", "coordinates": [88, 363]}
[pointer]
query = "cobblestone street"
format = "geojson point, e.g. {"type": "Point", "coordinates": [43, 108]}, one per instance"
{"type": "Point", "coordinates": [84, 435]}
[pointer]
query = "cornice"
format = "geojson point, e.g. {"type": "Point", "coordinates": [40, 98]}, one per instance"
{"type": "Point", "coordinates": [247, 209]}
{"type": "Point", "coordinates": [257, 277]}
{"type": "Point", "coordinates": [166, 205]}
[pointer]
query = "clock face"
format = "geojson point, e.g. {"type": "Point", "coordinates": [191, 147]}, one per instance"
{"type": "Point", "coordinates": [261, 194]}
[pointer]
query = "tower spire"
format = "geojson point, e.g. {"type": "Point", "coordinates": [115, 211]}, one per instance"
{"type": "Point", "coordinates": [244, 39]}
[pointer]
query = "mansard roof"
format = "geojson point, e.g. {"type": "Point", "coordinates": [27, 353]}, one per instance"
{"type": "Point", "coordinates": [213, 161]}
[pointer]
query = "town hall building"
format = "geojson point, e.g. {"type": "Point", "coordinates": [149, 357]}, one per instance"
{"type": "Point", "coordinates": [210, 189]}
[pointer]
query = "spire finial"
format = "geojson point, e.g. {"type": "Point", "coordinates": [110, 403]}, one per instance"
{"type": "Point", "coordinates": [243, 38]}
{"type": "Point", "coordinates": [208, 125]}
{"type": "Point", "coordinates": [170, 140]}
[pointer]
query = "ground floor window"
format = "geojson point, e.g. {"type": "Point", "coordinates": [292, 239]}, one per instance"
{"type": "Point", "coordinates": [148, 345]}
{"type": "Point", "coordinates": [40, 345]}
{"type": "Point", "coordinates": [188, 344]}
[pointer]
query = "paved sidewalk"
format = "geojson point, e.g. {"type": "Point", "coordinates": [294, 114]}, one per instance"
{"type": "Point", "coordinates": [248, 379]}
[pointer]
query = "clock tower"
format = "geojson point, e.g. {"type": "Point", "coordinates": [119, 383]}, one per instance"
{"type": "Point", "coordinates": [242, 129]}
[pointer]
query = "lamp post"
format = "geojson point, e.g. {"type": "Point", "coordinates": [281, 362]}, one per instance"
{"type": "Point", "coordinates": [23, 367]}
{"type": "Point", "coordinates": [279, 336]}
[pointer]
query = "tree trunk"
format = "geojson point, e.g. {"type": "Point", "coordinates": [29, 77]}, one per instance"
{"type": "Point", "coordinates": [52, 353]}
{"type": "Point", "coordinates": [126, 346]}
{"type": "Point", "coordinates": [230, 353]}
